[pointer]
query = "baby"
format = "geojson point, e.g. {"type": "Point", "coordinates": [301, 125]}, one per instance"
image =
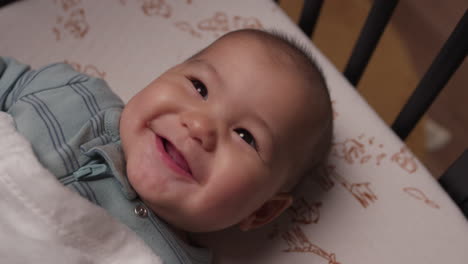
{"type": "Point", "coordinates": [217, 141]}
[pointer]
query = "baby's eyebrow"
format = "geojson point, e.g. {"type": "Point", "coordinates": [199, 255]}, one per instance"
{"type": "Point", "coordinates": [206, 64]}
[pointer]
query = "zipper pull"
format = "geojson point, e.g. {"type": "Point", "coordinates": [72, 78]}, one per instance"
{"type": "Point", "coordinates": [89, 171]}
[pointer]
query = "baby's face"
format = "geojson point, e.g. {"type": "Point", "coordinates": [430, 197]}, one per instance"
{"type": "Point", "coordinates": [212, 139]}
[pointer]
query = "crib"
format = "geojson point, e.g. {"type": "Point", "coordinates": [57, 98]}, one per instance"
{"type": "Point", "coordinates": [377, 203]}
{"type": "Point", "coordinates": [444, 65]}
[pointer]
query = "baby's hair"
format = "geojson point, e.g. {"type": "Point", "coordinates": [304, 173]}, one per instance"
{"type": "Point", "coordinates": [300, 49]}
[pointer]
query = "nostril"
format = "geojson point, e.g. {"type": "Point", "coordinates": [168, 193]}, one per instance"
{"type": "Point", "coordinates": [198, 140]}
{"type": "Point", "coordinates": [205, 140]}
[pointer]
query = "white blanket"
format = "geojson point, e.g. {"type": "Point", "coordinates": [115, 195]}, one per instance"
{"type": "Point", "coordinates": [41, 221]}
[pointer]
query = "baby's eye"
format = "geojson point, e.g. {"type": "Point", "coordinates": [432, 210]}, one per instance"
{"type": "Point", "coordinates": [247, 137]}
{"type": "Point", "coordinates": [200, 87]}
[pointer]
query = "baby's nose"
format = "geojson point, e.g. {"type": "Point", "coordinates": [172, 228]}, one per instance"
{"type": "Point", "coordinates": [200, 128]}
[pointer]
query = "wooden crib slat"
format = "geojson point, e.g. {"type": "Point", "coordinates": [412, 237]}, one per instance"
{"type": "Point", "coordinates": [375, 24]}
{"type": "Point", "coordinates": [444, 65]}
{"type": "Point", "coordinates": [6, 2]}
{"type": "Point", "coordinates": [371, 32]}
{"type": "Point", "coordinates": [309, 16]}
{"type": "Point", "coordinates": [455, 182]}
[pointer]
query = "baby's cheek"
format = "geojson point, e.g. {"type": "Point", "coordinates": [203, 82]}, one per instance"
{"type": "Point", "coordinates": [140, 168]}
{"type": "Point", "coordinates": [244, 195]}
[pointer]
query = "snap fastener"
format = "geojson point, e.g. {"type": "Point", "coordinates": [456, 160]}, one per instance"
{"type": "Point", "coordinates": [141, 211]}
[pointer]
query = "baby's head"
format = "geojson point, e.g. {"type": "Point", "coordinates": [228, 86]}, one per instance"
{"type": "Point", "coordinates": [222, 138]}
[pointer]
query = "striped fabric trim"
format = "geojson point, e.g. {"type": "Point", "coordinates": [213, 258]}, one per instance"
{"type": "Point", "coordinates": [21, 86]}
{"type": "Point", "coordinates": [78, 190]}
{"type": "Point", "coordinates": [55, 132]}
{"type": "Point", "coordinates": [77, 79]}
{"type": "Point", "coordinates": [27, 79]}
{"type": "Point", "coordinates": [98, 129]}
{"type": "Point", "coordinates": [65, 180]}
{"type": "Point", "coordinates": [90, 192]}
{"type": "Point", "coordinates": [91, 97]}
{"type": "Point", "coordinates": [61, 136]}
{"type": "Point", "coordinates": [85, 191]}
{"type": "Point", "coordinates": [91, 104]}
{"type": "Point", "coordinates": [82, 188]}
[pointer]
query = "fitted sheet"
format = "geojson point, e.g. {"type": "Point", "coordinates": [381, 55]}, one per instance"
{"type": "Point", "coordinates": [378, 204]}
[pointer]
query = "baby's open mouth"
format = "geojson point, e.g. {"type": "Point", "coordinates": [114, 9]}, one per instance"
{"type": "Point", "coordinates": [176, 156]}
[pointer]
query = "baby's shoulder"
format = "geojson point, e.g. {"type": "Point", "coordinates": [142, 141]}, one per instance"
{"type": "Point", "coordinates": [61, 84]}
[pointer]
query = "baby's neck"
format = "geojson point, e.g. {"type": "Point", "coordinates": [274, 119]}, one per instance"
{"type": "Point", "coordinates": [184, 236]}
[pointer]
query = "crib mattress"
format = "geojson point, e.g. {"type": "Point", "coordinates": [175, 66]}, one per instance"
{"type": "Point", "coordinates": [378, 204]}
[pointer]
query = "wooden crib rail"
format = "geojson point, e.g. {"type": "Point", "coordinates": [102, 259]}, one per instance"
{"type": "Point", "coordinates": [373, 28]}
{"type": "Point", "coordinates": [450, 57]}
{"type": "Point", "coordinates": [444, 65]}
{"type": "Point", "coordinates": [309, 16]}
{"type": "Point", "coordinates": [5, 2]}
{"type": "Point", "coordinates": [442, 68]}
{"type": "Point", "coordinates": [455, 182]}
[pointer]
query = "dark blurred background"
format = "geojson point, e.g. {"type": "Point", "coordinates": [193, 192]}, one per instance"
{"type": "Point", "coordinates": [413, 38]}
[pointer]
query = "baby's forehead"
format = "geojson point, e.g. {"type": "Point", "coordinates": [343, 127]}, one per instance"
{"type": "Point", "coordinates": [244, 42]}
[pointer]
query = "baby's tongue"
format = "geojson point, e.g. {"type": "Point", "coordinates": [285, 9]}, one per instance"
{"type": "Point", "coordinates": [177, 157]}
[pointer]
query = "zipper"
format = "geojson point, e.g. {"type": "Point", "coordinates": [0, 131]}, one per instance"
{"type": "Point", "coordinates": [89, 172]}
{"type": "Point", "coordinates": [92, 171]}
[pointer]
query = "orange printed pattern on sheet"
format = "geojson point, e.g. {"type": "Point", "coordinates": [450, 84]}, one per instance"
{"type": "Point", "coordinates": [362, 191]}
{"type": "Point", "coordinates": [304, 212]}
{"type": "Point", "coordinates": [324, 181]}
{"type": "Point", "coordinates": [380, 157]}
{"type": "Point", "coordinates": [185, 26]}
{"type": "Point", "coordinates": [297, 241]}
{"type": "Point", "coordinates": [351, 150]}
{"type": "Point", "coordinates": [67, 4]}
{"type": "Point", "coordinates": [239, 22]}
{"type": "Point", "coordinates": [364, 150]}
{"type": "Point", "coordinates": [76, 23]}
{"type": "Point", "coordinates": [420, 195]}
{"type": "Point", "coordinates": [71, 20]}
{"type": "Point", "coordinates": [154, 7]}
{"type": "Point", "coordinates": [87, 69]}
{"type": "Point", "coordinates": [405, 160]}
{"type": "Point", "coordinates": [218, 24]}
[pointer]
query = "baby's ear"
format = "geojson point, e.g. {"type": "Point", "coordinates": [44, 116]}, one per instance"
{"type": "Point", "coordinates": [267, 212]}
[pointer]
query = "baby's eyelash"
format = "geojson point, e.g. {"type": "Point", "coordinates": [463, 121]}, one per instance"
{"type": "Point", "coordinates": [247, 137]}
{"type": "Point", "coordinates": [200, 87]}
